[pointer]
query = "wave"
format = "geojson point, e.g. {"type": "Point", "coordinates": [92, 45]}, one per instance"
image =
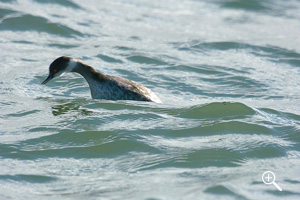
{"type": "Point", "coordinates": [29, 22]}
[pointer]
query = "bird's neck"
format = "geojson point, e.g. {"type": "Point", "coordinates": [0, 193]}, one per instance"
{"type": "Point", "coordinates": [89, 73]}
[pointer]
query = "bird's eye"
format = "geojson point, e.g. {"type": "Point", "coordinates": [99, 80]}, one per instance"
{"type": "Point", "coordinates": [54, 70]}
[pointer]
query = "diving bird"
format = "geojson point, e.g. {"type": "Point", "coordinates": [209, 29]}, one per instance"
{"type": "Point", "coordinates": [102, 86]}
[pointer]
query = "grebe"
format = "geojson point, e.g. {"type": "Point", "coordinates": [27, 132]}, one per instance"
{"type": "Point", "coordinates": [101, 86]}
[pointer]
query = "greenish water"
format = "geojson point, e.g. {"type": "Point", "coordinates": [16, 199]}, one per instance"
{"type": "Point", "coordinates": [227, 71]}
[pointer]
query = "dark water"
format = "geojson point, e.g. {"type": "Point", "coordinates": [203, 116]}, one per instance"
{"type": "Point", "coordinates": [227, 71]}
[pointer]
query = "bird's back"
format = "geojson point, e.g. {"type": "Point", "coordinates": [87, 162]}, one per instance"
{"type": "Point", "coordinates": [116, 88]}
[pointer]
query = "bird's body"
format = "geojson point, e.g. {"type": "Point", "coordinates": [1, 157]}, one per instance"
{"type": "Point", "coordinates": [102, 86]}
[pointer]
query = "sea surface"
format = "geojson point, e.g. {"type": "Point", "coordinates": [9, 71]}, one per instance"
{"type": "Point", "coordinates": [227, 71]}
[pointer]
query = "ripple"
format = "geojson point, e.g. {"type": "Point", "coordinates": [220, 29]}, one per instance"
{"type": "Point", "coordinates": [210, 157]}
{"type": "Point", "coordinates": [272, 53]}
{"type": "Point", "coordinates": [203, 69]}
{"type": "Point", "coordinates": [63, 46]}
{"type": "Point", "coordinates": [5, 12]}
{"type": "Point", "coordinates": [278, 54]}
{"type": "Point", "coordinates": [146, 60]}
{"type": "Point", "coordinates": [109, 59]}
{"type": "Point", "coordinates": [39, 24]}
{"type": "Point", "coordinates": [125, 48]}
{"type": "Point", "coordinates": [253, 5]}
{"type": "Point", "coordinates": [6, 1]}
{"type": "Point", "coordinates": [217, 110]}
{"type": "Point", "coordinates": [30, 178]}
{"type": "Point", "coordinates": [22, 113]}
{"type": "Point", "coordinates": [217, 128]}
{"type": "Point", "coordinates": [224, 191]}
{"type": "Point", "coordinates": [266, 7]}
{"type": "Point", "coordinates": [67, 144]}
{"type": "Point", "coordinates": [227, 45]}
{"type": "Point", "coordinates": [65, 3]}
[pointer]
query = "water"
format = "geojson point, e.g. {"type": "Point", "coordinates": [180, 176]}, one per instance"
{"type": "Point", "coordinates": [227, 72]}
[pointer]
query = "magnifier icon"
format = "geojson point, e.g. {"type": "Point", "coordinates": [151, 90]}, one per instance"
{"type": "Point", "coordinates": [269, 178]}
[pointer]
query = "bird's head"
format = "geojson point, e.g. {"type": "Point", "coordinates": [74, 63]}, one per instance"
{"type": "Point", "coordinates": [59, 67]}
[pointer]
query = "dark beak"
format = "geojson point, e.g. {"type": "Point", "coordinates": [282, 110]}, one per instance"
{"type": "Point", "coordinates": [47, 79]}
